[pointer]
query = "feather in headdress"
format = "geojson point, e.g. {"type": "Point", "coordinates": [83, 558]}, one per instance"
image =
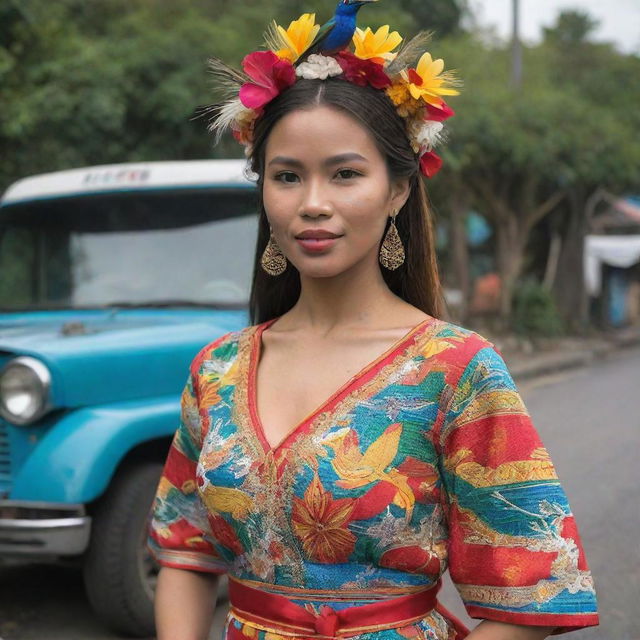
{"type": "Point", "coordinates": [273, 38]}
{"type": "Point", "coordinates": [224, 115]}
{"type": "Point", "coordinates": [409, 53]}
{"type": "Point", "coordinates": [226, 77]}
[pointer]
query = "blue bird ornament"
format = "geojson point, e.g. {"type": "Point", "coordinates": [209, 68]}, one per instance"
{"type": "Point", "coordinates": [336, 34]}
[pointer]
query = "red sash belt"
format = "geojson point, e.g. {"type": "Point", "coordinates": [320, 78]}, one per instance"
{"type": "Point", "coordinates": [276, 612]}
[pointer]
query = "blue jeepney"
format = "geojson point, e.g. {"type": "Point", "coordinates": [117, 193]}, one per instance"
{"type": "Point", "coordinates": [112, 278]}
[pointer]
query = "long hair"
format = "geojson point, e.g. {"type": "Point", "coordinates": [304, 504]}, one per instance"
{"type": "Point", "coordinates": [416, 281]}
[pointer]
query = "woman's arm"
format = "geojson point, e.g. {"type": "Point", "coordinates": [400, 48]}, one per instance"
{"type": "Point", "coordinates": [491, 630]}
{"type": "Point", "coordinates": [184, 604]}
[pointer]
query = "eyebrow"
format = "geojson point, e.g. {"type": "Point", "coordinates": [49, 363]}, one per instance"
{"type": "Point", "coordinates": [329, 162]}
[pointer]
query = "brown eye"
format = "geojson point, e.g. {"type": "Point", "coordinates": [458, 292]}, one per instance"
{"type": "Point", "coordinates": [287, 177]}
{"type": "Point", "coordinates": [347, 174]}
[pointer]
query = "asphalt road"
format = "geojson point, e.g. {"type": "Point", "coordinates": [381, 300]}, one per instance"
{"type": "Point", "coordinates": [590, 423]}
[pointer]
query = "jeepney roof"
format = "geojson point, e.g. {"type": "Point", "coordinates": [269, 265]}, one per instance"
{"type": "Point", "coordinates": [128, 177]}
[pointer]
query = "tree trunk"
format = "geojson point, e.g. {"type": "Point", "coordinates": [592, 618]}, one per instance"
{"type": "Point", "coordinates": [570, 292]}
{"type": "Point", "coordinates": [510, 258]}
{"type": "Point", "coordinates": [551, 270]}
{"type": "Point", "coordinates": [513, 218]}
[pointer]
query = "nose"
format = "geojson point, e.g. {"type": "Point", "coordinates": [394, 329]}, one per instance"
{"type": "Point", "coordinates": [314, 202]}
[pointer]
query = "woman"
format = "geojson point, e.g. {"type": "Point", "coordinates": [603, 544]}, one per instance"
{"type": "Point", "coordinates": [337, 455]}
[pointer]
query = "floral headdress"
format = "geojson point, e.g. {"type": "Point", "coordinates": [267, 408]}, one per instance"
{"type": "Point", "coordinates": [412, 80]}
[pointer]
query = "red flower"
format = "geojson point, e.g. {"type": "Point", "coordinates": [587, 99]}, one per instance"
{"type": "Point", "coordinates": [439, 114]}
{"type": "Point", "coordinates": [430, 164]}
{"type": "Point", "coordinates": [362, 72]}
{"type": "Point", "coordinates": [321, 523]}
{"type": "Point", "coordinates": [271, 76]}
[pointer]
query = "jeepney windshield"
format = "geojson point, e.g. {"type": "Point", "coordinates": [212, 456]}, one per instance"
{"type": "Point", "coordinates": [165, 247]}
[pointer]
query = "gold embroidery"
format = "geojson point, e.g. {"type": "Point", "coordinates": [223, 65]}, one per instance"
{"type": "Point", "coordinates": [506, 473]}
{"type": "Point", "coordinates": [565, 573]}
{"type": "Point", "coordinates": [272, 482]}
{"type": "Point", "coordinates": [492, 403]}
{"type": "Point", "coordinates": [539, 593]}
{"type": "Point", "coordinates": [225, 499]}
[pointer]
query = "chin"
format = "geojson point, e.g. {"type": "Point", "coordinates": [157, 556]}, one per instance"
{"type": "Point", "coordinates": [320, 272]}
{"type": "Point", "coordinates": [326, 270]}
{"type": "Point", "coordinates": [310, 268]}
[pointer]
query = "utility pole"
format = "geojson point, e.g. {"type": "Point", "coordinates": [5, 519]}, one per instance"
{"type": "Point", "coordinates": [516, 49]}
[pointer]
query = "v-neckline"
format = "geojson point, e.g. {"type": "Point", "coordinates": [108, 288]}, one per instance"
{"type": "Point", "coordinates": [357, 380]}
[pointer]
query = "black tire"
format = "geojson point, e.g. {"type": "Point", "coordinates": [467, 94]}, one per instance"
{"type": "Point", "coordinates": [119, 573]}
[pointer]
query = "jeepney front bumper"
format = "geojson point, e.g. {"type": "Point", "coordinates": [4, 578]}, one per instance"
{"type": "Point", "coordinates": [37, 529]}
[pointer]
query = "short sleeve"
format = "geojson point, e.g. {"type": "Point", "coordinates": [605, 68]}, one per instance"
{"type": "Point", "coordinates": [180, 535]}
{"type": "Point", "coordinates": [515, 554]}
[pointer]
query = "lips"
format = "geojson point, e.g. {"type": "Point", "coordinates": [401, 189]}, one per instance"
{"type": "Point", "coordinates": [317, 234]}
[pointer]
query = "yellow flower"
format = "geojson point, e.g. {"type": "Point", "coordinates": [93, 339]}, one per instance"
{"type": "Point", "coordinates": [427, 82]}
{"type": "Point", "coordinates": [405, 103]}
{"type": "Point", "coordinates": [376, 46]}
{"type": "Point", "coordinates": [298, 37]}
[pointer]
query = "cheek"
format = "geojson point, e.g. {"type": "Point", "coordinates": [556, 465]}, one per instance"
{"type": "Point", "coordinates": [275, 204]}
{"type": "Point", "coordinates": [368, 210]}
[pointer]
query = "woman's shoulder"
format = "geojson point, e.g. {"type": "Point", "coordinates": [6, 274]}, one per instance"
{"type": "Point", "coordinates": [223, 350]}
{"type": "Point", "coordinates": [456, 345]}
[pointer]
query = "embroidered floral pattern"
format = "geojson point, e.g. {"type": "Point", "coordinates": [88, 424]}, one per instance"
{"type": "Point", "coordinates": [321, 524]}
{"type": "Point", "coordinates": [427, 459]}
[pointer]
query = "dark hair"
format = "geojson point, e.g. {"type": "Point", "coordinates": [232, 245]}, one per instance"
{"type": "Point", "coordinates": [416, 281]}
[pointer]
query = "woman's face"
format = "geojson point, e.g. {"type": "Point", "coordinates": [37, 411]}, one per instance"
{"type": "Point", "coordinates": [327, 192]}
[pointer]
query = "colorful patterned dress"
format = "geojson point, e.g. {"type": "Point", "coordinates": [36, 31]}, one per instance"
{"type": "Point", "coordinates": [424, 460]}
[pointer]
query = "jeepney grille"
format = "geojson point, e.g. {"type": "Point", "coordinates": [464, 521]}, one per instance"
{"type": "Point", "coordinates": [5, 460]}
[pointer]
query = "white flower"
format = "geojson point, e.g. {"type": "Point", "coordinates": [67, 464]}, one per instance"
{"type": "Point", "coordinates": [318, 67]}
{"type": "Point", "coordinates": [425, 134]}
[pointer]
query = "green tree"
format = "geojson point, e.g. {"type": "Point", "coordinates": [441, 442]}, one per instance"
{"type": "Point", "coordinates": [114, 81]}
{"type": "Point", "coordinates": [444, 17]}
{"type": "Point", "coordinates": [572, 29]}
{"type": "Point", "coordinates": [601, 76]}
{"type": "Point", "coordinates": [521, 156]}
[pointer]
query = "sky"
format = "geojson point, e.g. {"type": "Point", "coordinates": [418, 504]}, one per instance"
{"type": "Point", "coordinates": [619, 19]}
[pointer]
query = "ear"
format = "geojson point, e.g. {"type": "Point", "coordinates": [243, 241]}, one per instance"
{"type": "Point", "coordinates": [400, 190]}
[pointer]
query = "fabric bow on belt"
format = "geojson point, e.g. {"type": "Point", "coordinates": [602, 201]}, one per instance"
{"type": "Point", "coordinates": [268, 611]}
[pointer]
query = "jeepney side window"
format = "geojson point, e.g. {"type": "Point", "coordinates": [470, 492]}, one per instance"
{"type": "Point", "coordinates": [34, 265]}
{"type": "Point", "coordinates": [18, 266]}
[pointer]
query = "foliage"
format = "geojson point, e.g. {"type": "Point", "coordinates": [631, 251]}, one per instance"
{"type": "Point", "coordinates": [535, 313]}
{"type": "Point", "coordinates": [572, 28]}
{"type": "Point", "coordinates": [443, 18]}
{"type": "Point", "coordinates": [121, 80]}
{"type": "Point", "coordinates": [520, 154]}
{"type": "Point", "coordinates": [114, 81]}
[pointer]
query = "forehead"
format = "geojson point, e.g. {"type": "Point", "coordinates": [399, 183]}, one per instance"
{"type": "Point", "coordinates": [318, 130]}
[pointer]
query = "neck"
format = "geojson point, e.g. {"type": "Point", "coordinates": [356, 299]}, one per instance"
{"type": "Point", "coordinates": [347, 10]}
{"type": "Point", "coordinates": [359, 297]}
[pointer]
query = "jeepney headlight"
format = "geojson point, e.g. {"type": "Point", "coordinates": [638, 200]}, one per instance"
{"type": "Point", "coordinates": [24, 390]}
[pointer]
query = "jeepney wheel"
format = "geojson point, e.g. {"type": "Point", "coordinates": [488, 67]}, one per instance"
{"type": "Point", "coordinates": [119, 573]}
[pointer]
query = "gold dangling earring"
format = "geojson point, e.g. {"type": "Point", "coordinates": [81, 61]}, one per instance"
{"type": "Point", "coordinates": [392, 251]}
{"type": "Point", "coordinates": [273, 260]}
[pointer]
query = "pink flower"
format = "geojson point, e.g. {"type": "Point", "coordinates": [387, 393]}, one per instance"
{"type": "Point", "coordinates": [439, 114]}
{"type": "Point", "coordinates": [362, 72]}
{"type": "Point", "coordinates": [270, 75]}
{"type": "Point", "coordinates": [430, 164]}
